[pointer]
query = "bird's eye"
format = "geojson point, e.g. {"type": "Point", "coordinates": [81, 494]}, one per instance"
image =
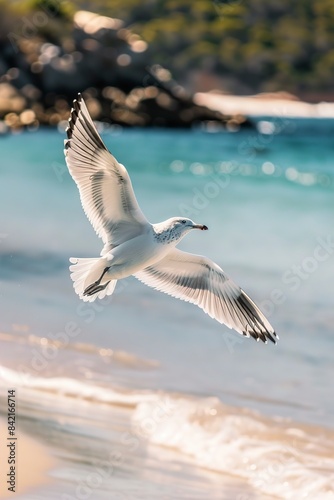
{"type": "Point", "coordinates": [183, 221]}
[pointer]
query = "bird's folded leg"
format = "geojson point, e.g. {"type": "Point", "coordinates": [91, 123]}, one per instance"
{"type": "Point", "coordinates": [96, 287]}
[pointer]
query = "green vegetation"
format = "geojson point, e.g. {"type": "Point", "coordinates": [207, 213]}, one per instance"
{"type": "Point", "coordinates": [263, 45]}
{"type": "Point", "coordinates": [250, 45]}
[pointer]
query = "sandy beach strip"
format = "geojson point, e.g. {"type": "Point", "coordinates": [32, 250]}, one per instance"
{"type": "Point", "coordinates": [32, 463]}
{"type": "Point", "coordinates": [261, 105]}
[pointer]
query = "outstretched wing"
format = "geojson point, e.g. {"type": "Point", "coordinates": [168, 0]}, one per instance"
{"type": "Point", "coordinates": [200, 281]}
{"type": "Point", "coordinates": [105, 187]}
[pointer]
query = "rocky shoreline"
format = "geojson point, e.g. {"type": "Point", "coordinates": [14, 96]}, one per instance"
{"type": "Point", "coordinates": [105, 61]}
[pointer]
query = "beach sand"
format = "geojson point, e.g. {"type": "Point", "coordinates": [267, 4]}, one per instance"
{"type": "Point", "coordinates": [32, 463]}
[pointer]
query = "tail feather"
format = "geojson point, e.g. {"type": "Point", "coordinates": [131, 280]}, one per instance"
{"type": "Point", "coordinates": [84, 273]}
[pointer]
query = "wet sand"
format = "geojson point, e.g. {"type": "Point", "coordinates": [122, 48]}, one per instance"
{"type": "Point", "coordinates": [33, 462]}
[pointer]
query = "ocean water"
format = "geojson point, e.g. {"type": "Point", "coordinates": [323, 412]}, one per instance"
{"type": "Point", "coordinates": [146, 395]}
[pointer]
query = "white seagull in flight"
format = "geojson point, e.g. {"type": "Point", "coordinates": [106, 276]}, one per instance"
{"type": "Point", "coordinates": [133, 246]}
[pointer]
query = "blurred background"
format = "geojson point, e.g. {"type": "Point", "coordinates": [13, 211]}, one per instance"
{"type": "Point", "coordinates": [222, 111]}
{"type": "Point", "coordinates": [140, 63]}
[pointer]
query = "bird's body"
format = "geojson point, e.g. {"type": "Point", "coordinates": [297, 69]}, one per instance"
{"type": "Point", "coordinates": [130, 257]}
{"type": "Point", "coordinates": [133, 246]}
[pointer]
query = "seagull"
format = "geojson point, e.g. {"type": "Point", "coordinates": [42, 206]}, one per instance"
{"type": "Point", "coordinates": [134, 246]}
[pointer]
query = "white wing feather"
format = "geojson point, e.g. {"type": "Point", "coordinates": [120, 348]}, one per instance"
{"type": "Point", "coordinates": [200, 281]}
{"type": "Point", "coordinates": [105, 187]}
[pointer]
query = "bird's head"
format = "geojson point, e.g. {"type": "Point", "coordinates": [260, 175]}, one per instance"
{"type": "Point", "coordinates": [185, 225]}
{"type": "Point", "coordinates": [180, 226]}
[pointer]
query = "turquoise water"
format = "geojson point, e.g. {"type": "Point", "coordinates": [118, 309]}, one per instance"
{"type": "Point", "coordinates": [268, 202]}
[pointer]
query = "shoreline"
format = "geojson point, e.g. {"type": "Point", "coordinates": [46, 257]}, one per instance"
{"type": "Point", "coordinates": [33, 461]}
{"type": "Point", "coordinates": [263, 105]}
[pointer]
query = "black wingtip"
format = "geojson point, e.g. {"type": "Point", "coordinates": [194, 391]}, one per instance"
{"type": "Point", "coordinates": [76, 105]}
{"type": "Point", "coordinates": [86, 126]}
{"type": "Point", "coordinates": [272, 337]}
{"type": "Point", "coordinates": [256, 327]}
{"type": "Point", "coordinates": [74, 115]}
